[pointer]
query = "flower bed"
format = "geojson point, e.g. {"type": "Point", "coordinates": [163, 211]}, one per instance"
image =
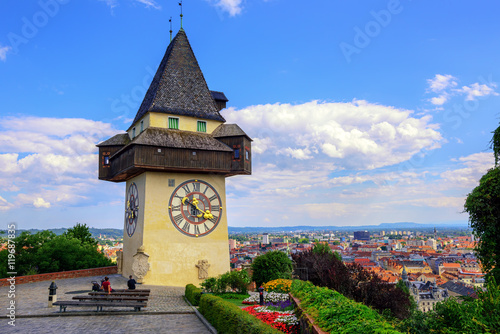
{"type": "Point", "coordinates": [278, 285]}
{"type": "Point", "coordinates": [285, 321]}
{"type": "Point", "coordinates": [269, 297]}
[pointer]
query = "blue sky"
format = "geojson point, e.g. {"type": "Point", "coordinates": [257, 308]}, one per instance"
{"type": "Point", "coordinates": [362, 112]}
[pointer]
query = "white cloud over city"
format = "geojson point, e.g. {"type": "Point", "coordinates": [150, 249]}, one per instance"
{"type": "Point", "coordinates": [445, 87]}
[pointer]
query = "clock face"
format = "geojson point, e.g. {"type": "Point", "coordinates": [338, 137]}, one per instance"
{"type": "Point", "coordinates": [195, 208]}
{"type": "Point", "coordinates": [131, 209]}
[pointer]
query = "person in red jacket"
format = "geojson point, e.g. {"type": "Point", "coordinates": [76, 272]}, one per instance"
{"type": "Point", "coordinates": [106, 285]}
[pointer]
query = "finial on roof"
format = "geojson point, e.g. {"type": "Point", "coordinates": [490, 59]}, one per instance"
{"type": "Point", "coordinates": [180, 4]}
{"type": "Point", "coordinates": [170, 28]}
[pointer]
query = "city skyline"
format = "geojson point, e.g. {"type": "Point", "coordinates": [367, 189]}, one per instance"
{"type": "Point", "coordinates": [361, 114]}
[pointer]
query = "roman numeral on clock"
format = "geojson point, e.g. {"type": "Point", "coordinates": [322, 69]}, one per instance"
{"type": "Point", "coordinates": [215, 209]}
{"type": "Point", "coordinates": [196, 229]}
{"type": "Point", "coordinates": [212, 198]}
{"type": "Point", "coordinates": [178, 219]}
{"type": "Point", "coordinates": [206, 227]}
{"type": "Point", "coordinates": [176, 208]}
{"type": "Point", "coordinates": [196, 186]}
{"type": "Point", "coordinates": [186, 226]}
{"type": "Point", "coordinates": [186, 188]}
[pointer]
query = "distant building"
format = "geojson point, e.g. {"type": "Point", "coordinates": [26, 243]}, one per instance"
{"type": "Point", "coordinates": [362, 235]}
{"type": "Point", "coordinates": [232, 244]}
{"type": "Point", "coordinates": [265, 238]}
{"type": "Point", "coordinates": [432, 243]}
{"type": "Point", "coordinates": [426, 295]}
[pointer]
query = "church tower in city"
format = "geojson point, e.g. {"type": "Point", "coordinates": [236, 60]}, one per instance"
{"type": "Point", "coordinates": [175, 158]}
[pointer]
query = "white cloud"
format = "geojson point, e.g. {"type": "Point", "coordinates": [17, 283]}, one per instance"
{"type": "Point", "coordinates": [477, 90]}
{"type": "Point", "coordinates": [149, 3]}
{"type": "Point", "coordinates": [44, 161]}
{"type": "Point", "coordinates": [3, 52]}
{"type": "Point", "coordinates": [356, 135]}
{"type": "Point", "coordinates": [442, 82]}
{"type": "Point", "coordinates": [444, 86]}
{"type": "Point", "coordinates": [440, 100]}
{"type": "Point", "coordinates": [41, 203]}
{"type": "Point", "coordinates": [4, 205]}
{"type": "Point", "coordinates": [233, 7]}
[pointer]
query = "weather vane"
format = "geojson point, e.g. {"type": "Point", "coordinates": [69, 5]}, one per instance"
{"type": "Point", "coordinates": [180, 4]}
{"type": "Point", "coordinates": [170, 28]}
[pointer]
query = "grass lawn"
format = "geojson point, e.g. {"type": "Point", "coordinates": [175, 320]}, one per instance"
{"type": "Point", "coordinates": [234, 298]}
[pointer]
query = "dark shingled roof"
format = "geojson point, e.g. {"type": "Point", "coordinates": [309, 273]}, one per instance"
{"type": "Point", "coordinates": [117, 140]}
{"type": "Point", "coordinates": [218, 96]}
{"type": "Point", "coordinates": [229, 130]}
{"type": "Point", "coordinates": [178, 86]}
{"type": "Point", "coordinates": [179, 139]}
{"type": "Point", "coordinates": [459, 288]}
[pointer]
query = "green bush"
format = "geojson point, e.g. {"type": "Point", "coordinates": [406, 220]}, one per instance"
{"type": "Point", "coordinates": [193, 294]}
{"type": "Point", "coordinates": [270, 266]}
{"type": "Point", "coordinates": [338, 314]}
{"type": "Point", "coordinates": [230, 319]}
{"type": "Point", "coordinates": [238, 281]}
{"type": "Point", "coordinates": [210, 285]}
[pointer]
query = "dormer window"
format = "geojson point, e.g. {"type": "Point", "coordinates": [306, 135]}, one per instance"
{"type": "Point", "coordinates": [133, 133]}
{"type": "Point", "coordinates": [202, 126]}
{"type": "Point", "coordinates": [173, 123]}
{"type": "Point", "coordinates": [142, 126]}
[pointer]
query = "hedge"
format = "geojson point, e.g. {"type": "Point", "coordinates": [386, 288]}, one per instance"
{"type": "Point", "coordinates": [193, 294]}
{"type": "Point", "coordinates": [228, 318]}
{"type": "Point", "coordinates": [335, 313]}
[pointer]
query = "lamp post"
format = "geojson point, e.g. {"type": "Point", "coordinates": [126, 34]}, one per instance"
{"type": "Point", "coordinates": [52, 293]}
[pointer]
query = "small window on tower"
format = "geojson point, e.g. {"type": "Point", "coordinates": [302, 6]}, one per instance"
{"type": "Point", "coordinates": [142, 126]}
{"type": "Point", "coordinates": [237, 153]}
{"type": "Point", "coordinates": [171, 182]}
{"type": "Point", "coordinates": [247, 155]}
{"type": "Point", "coordinates": [173, 123]}
{"type": "Point", "coordinates": [202, 126]}
{"type": "Point", "coordinates": [133, 133]}
{"type": "Point", "coordinates": [106, 160]}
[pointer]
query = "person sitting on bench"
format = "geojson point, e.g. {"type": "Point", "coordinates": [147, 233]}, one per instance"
{"type": "Point", "coordinates": [131, 283]}
{"type": "Point", "coordinates": [106, 285]}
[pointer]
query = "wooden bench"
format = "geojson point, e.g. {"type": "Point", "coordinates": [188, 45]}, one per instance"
{"type": "Point", "coordinates": [137, 305]}
{"type": "Point", "coordinates": [117, 293]}
{"type": "Point", "coordinates": [134, 290]}
{"type": "Point", "coordinates": [113, 298]}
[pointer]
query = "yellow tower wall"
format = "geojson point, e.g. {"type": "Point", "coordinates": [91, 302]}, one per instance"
{"type": "Point", "coordinates": [172, 255]}
{"type": "Point", "coordinates": [160, 120]}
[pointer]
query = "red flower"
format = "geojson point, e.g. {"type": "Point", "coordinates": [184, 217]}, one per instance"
{"type": "Point", "coordinates": [270, 317]}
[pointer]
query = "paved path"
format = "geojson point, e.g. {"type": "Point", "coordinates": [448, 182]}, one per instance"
{"type": "Point", "coordinates": [167, 312]}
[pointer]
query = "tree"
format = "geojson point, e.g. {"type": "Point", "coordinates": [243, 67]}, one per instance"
{"type": "Point", "coordinates": [271, 265]}
{"type": "Point", "coordinates": [45, 252]}
{"type": "Point", "coordinates": [353, 281]}
{"type": "Point", "coordinates": [82, 233]}
{"type": "Point", "coordinates": [483, 207]}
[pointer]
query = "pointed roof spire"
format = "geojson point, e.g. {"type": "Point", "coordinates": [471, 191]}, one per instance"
{"type": "Point", "coordinates": [180, 4]}
{"type": "Point", "coordinates": [170, 21]}
{"type": "Point", "coordinates": [178, 86]}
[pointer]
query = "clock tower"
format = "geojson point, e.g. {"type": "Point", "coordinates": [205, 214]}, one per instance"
{"type": "Point", "coordinates": [175, 158]}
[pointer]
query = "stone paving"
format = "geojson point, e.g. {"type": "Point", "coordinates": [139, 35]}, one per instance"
{"type": "Point", "coordinates": [167, 311]}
